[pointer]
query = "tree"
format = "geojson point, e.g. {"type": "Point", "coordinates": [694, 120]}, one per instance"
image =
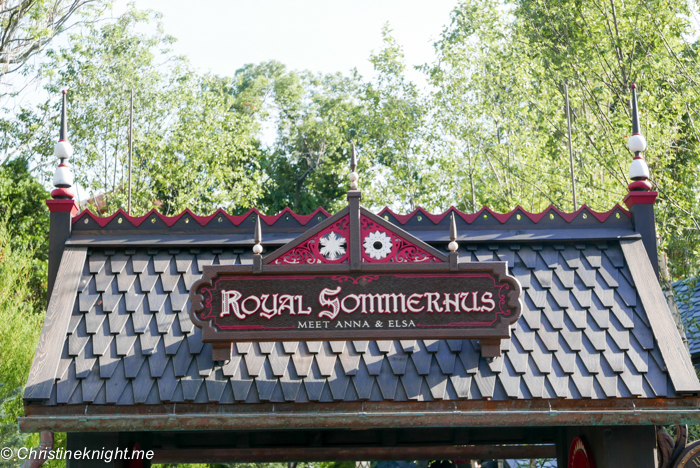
{"type": "Point", "coordinates": [391, 133]}
{"type": "Point", "coordinates": [498, 100]}
{"type": "Point", "coordinates": [307, 165]}
{"type": "Point", "coordinates": [26, 26]}
{"type": "Point", "coordinates": [192, 147]}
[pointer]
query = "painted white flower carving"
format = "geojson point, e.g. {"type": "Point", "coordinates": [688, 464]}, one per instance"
{"type": "Point", "coordinates": [377, 245]}
{"type": "Point", "coordinates": [332, 246]}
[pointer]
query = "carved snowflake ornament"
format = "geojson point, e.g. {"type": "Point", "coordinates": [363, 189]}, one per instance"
{"type": "Point", "coordinates": [332, 246]}
{"type": "Point", "coordinates": [377, 245]}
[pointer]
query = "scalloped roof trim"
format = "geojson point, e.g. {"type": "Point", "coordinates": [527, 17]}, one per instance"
{"type": "Point", "coordinates": [503, 217]}
{"type": "Point", "coordinates": [103, 221]}
{"type": "Point", "coordinates": [136, 221]}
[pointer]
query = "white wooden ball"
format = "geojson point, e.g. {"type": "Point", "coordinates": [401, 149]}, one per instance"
{"type": "Point", "coordinates": [63, 177]}
{"type": "Point", "coordinates": [637, 143]}
{"type": "Point", "coordinates": [63, 150]}
{"type": "Point", "coordinates": [639, 169]}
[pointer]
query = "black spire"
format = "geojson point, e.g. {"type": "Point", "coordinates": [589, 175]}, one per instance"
{"type": "Point", "coordinates": [635, 114]}
{"type": "Point", "coordinates": [64, 121]}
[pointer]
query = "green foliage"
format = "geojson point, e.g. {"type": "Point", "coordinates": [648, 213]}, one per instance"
{"type": "Point", "coordinates": [225, 465]}
{"type": "Point", "coordinates": [307, 165]}
{"type": "Point", "coordinates": [22, 205]}
{"type": "Point", "coordinates": [334, 465]}
{"type": "Point", "coordinates": [192, 149]}
{"type": "Point", "coordinates": [27, 25]}
{"type": "Point", "coordinates": [19, 332]}
{"type": "Point", "coordinates": [489, 130]}
{"type": "Point", "coordinates": [391, 132]}
{"type": "Point", "coordinates": [498, 105]}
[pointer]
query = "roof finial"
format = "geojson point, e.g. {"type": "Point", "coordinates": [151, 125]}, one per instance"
{"type": "Point", "coordinates": [637, 144]}
{"type": "Point", "coordinates": [63, 135]}
{"type": "Point", "coordinates": [353, 167]}
{"type": "Point", "coordinates": [257, 237]}
{"type": "Point", "coordinates": [63, 177]}
{"type": "Point", "coordinates": [452, 246]}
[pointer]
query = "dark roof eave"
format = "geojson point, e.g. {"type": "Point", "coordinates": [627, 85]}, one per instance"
{"type": "Point", "coordinates": [273, 240]}
{"type": "Point", "coordinates": [269, 416]}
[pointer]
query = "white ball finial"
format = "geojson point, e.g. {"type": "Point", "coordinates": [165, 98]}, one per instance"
{"type": "Point", "coordinates": [353, 180]}
{"type": "Point", "coordinates": [257, 249]}
{"type": "Point", "coordinates": [639, 169]}
{"type": "Point", "coordinates": [63, 150]}
{"type": "Point", "coordinates": [452, 246]}
{"type": "Point", "coordinates": [637, 143]}
{"type": "Point", "coordinates": [63, 177]}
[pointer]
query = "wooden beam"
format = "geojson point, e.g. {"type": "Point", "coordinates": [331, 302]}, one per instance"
{"type": "Point", "coordinates": [291, 454]}
{"type": "Point", "coordinates": [48, 352]}
{"type": "Point", "coordinates": [378, 415]}
{"type": "Point", "coordinates": [676, 357]}
{"type": "Point", "coordinates": [355, 246]}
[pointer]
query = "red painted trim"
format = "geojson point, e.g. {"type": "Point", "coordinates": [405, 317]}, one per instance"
{"type": "Point", "coordinates": [469, 218]}
{"type": "Point", "coordinates": [63, 192]}
{"type": "Point", "coordinates": [504, 217]}
{"type": "Point", "coordinates": [62, 206]}
{"type": "Point", "coordinates": [639, 185]}
{"type": "Point", "coordinates": [640, 198]}
{"type": "Point", "coordinates": [309, 251]}
{"type": "Point", "coordinates": [136, 221]}
{"type": "Point", "coordinates": [254, 327]}
{"type": "Point", "coordinates": [402, 251]}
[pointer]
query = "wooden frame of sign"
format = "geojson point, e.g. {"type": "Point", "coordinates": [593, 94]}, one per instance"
{"type": "Point", "coordinates": [355, 277]}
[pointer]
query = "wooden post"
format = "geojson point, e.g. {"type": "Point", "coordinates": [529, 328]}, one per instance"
{"type": "Point", "coordinates": [354, 197]}
{"type": "Point", "coordinates": [62, 206]}
{"type": "Point", "coordinates": [645, 224]}
{"type": "Point", "coordinates": [60, 223]}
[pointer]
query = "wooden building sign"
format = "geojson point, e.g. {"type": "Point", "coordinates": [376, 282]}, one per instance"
{"type": "Point", "coordinates": [355, 277]}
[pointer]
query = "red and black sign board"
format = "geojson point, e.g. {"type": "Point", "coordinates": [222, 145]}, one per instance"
{"type": "Point", "coordinates": [477, 301]}
{"type": "Point", "coordinates": [355, 277]}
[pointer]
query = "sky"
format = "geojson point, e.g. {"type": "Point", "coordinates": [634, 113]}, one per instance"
{"type": "Point", "coordinates": [322, 36]}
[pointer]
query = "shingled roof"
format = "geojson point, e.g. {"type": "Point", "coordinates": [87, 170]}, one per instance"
{"type": "Point", "coordinates": [687, 294]}
{"type": "Point", "coordinates": [584, 332]}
